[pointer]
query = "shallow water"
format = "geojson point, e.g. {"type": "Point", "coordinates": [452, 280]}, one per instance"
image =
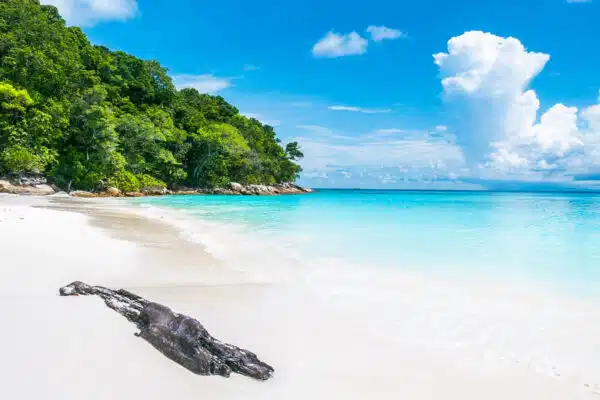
{"type": "Point", "coordinates": [549, 238]}
{"type": "Point", "coordinates": [490, 281]}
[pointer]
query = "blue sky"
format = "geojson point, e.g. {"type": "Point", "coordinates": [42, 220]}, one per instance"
{"type": "Point", "coordinates": [510, 101]}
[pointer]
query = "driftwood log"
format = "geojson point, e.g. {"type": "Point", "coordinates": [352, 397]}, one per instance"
{"type": "Point", "coordinates": [179, 337]}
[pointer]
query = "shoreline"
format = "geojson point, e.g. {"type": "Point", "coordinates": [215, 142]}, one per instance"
{"type": "Point", "coordinates": [40, 187]}
{"type": "Point", "coordinates": [326, 336]}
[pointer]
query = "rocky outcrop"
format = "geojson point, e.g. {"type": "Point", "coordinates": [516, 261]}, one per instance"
{"type": "Point", "coordinates": [236, 187]}
{"type": "Point", "coordinates": [30, 185]}
{"type": "Point", "coordinates": [5, 186]}
{"type": "Point", "coordinates": [154, 191]}
{"type": "Point", "coordinates": [31, 190]}
{"type": "Point", "coordinates": [292, 188]}
{"type": "Point", "coordinates": [28, 179]}
{"type": "Point", "coordinates": [109, 192]}
{"type": "Point", "coordinates": [83, 194]}
{"type": "Point", "coordinates": [180, 338]}
{"type": "Point", "coordinates": [134, 194]}
{"type": "Point", "coordinates": [113, 192]}
{"type": "Point", "coordinates": [258, 190]}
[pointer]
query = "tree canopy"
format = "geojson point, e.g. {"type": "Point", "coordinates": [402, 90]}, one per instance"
{"type": "Point", "coordinates": [87, 117]}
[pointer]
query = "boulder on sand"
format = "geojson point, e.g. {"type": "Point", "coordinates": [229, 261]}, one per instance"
{"type": "Point", "coordinates": [4, 185]}
{"type": "Point", "coordinates": [113, 192]}
{"type": "Point", "coordinates": [31, 190]}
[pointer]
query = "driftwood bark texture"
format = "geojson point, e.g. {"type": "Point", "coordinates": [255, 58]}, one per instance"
{"type": "Point", "coordinates": [179, 337]}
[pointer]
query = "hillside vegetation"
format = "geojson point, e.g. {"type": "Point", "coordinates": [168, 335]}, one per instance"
{"type": "Point", "coordinates": [88, 117]}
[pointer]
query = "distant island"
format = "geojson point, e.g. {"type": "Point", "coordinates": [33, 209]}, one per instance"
{"type": "Point", "coordinates": [88, 118]}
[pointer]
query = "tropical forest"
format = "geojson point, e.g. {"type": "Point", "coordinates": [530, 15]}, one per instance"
{"type": "Point", "coordinates": [88, 118]}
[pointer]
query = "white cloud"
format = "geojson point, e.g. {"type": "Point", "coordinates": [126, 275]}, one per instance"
{"type": "Point", "coordinates": [379, 158]}
{"type": "Point", "coordinates": [205, 83]}
{"type": "Point", "coordinates": [359, 109]}
{"type": "Point", "coordinates": [487, 65]}
{"type": "Point", "coordinates": [388, 132]}
{"type": "Point", "coordinates": [322, 133]}
{"type": "Point", "coordinates": [503, 134]}
{"type": "Point", "coordinates": [334, 45]}
{"type": "Point", "coordinates": [578, 1]}
{"type": "Point", "coordinates": [379, 33]}
{"type": "Point", "coordinates": [91, 12]}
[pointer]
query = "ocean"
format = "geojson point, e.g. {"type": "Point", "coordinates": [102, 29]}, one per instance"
{"type": "Point", "coordinates": [491, 280]}
{"type": "Point", "coordinates": [549, 238]}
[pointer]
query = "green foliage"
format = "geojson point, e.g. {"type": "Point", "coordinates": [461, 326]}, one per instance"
{"type": "Point", "coordinates": [87, 116]}
{"type": "Point", "coordinates": [25, 133]}
{"type": "Point", "coordinates": [219, 154]}
{"type": "Point", "coordinates": [18, 159]}
{"type": "Point", "coordinates": [149, 182]}
{"type": "Point", "coordinates": [125, 181]}
{"type": "Point", "coordinates": [292, 150]}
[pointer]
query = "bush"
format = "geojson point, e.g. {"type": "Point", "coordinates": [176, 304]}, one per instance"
{"type": "Point", "coordinates": [150, 182]}
{"type": "Point", "coordinates": [125, 181]}
{"type": "Point", "coordinates": [18, 159]}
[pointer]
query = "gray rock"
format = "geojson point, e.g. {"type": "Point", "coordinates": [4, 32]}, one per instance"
{"type": "Point", "coordinates": [34, 190]}
{"type": "Point", "coordinates": [33, 180]}
{"type": "Point", "coordinates": [155, 191]}
{"type": "Point", "coordinates": [43, 190]}
{"type": "Point", "coordinates": [258, 190]}
{"type": "Point", "coordinates": [28, 179]}
{"type": "Point", "coordinates": [236, 187]}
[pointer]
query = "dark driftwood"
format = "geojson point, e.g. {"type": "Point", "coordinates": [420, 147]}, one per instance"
{"type": "Point", "coordinates": [181, 338]}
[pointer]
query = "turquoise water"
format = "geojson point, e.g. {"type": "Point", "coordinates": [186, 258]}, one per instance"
{"type": "Point", "coordinates": [545, 237]}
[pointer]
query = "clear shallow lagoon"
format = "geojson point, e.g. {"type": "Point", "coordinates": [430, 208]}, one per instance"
{"type": "Point", "coordinates": [547, 237]}
{"type": "Point", "coordinates": [452, 274]}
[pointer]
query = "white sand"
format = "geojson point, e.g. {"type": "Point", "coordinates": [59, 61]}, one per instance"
{"type": "Point", "coordinates": [329, 335]}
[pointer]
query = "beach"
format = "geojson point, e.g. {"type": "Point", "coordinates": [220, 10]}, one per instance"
{"type": "Point", "coordinates": [329, 333]}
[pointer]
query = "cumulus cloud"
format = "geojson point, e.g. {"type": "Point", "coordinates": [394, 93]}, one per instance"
{"type": "Point", "coordinates": [359, 109]}
{"type": "Point", "coordinates": [91, 12]}
{"type": "Point", "coordinates": [205, 83]}
{"type": "Point", "coordinates": [379, 33]}
{"type": "Point", "coordinates": [334, 45]}
{"type": "Point", "coordinates": [499, 124]}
